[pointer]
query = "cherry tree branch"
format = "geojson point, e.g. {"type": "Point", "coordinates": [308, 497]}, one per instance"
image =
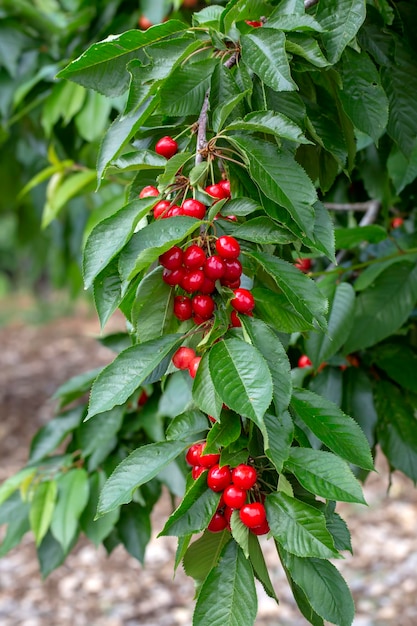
{"type": "Point", "coordinates": [349, 206]}
{"type": "Point", "coordinates": [202, 129]}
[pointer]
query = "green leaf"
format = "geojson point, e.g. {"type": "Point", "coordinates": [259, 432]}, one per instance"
{"type": "Point", "coordinates": [324, 474]}
{"type": "Point", "coordinates": [97, 529]}
{"type": "Point", "coordinates": [140, 160]}
{"type": "Point", "coordinates": [352, 237]}
{"type": "Point", "coordinates": [204, 554]}
{"type": "Point", "coordinates": [42, 509]}
{"type": "Point", "coordinates": [205, 393]}
{"type": "Point", "coordinates": [225, 96]}
{"type": "Point", "coordinates": [54, 432]}
{"type": "Point", "coordinates": [172, 166]}
{"type": "Point", "coordinates": [397, 429]}
{"type": "Point", "coordinates": [263, 230]}
{"type": "Point", "coordinates": [339, 432]}
{"type": "Point", "coordinates": [195, 511]}
{"type": "Point", "coordinates": [305, 46]}
{"type": "Point", "coordinates": [272, 123]}
{"type": "Point", "coordinates": [402, 170]}
{"type": "Point", "coordinates": [223, 433]}
{"type": "Point", "coordinates": [264, 53]}
{"type": "Point", "coordinates": [134, 529]}
{"type": "Point", "coordinates": [293, 22]}
{"type": "Point", "coordinates": [93, 119]}
{"type": "Point", "coordinates": [280, 431]}
{"type": "Point", "coordinates": [275, 309]}
{"type": "Point", "coordinates": [59, 195]}
{"type": "Point", "coordinates": [383, 307]}
{"type": "Point", "coordinates": [130, 369]}
{"type": "Point", "coordinates": [76, 386]}
{"type": "Point", "coordinates": [152, 310]}
{"type": "Point", "coordinates": [299, 527]}
{"type": "Point", "coordinates": [268, 344]}
{"type": "Point", "coordinates": [103, 66]}
{"type": "Point", "coordinates": [240, 532]}
{"type": "Point", "coordinates": [323, 234]}
{"type": "Point", "coordinates": [50, 554]}
{"type": "Point", "coordinates": [138, 468]}
{"type": "Point", "coordinates": [176, 397]}
{"type": "Point", "coordinates": [240, 206]}
{"type": "Point", "coordinates": [14, 512]}
{"type": "Point", "coordinates": [358, 401]}
{"type": "Point", "coordinates": [107, 291]}
{"type": "Point", "coordinates": [340, 20]}
{"type": "Point", "coordinates": [300, 291]}
{"type": "Point", "coordinates": [150, 242]}
{"type": "Point", "coordinates": [338, 528]}
{"type": "Point", "coordinates": [324, 586]}
{"type": "Point", "coordinates": [259, 566]}
{"type": "Point", "coordinates": [183, 92]}
{"type": "Point", "coordinates": [371, 273]}
{"type": "Point", "coordinates": [228, 596]}
{"type": "Point", "coordinates": [11, 484]}
{"type": "Point", "coordinates": [110, 236]}
{"type": "Point", "coordinates": [95, 435]}
{"type": "Point", "coordinates": [321, 346]}
{"type": "Point", "coordinates": [280, 177]}
{"type": "Point", "coordinates": [72, 499]}
{"type": "Point", "coordinates": [362, 96]}
{"type": "Point", "coordinates": [399, 362]}
{"type": "Point", "coordinates": [187, 424]}
{"type": "Point", "coordinates": [242, 378]}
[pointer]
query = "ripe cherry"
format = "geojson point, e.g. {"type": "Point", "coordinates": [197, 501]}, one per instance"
{"type": "Point", "coordinates": [208, 286]}
{"type": "Point", "coordinates": [182, 308]}
{"type": "Point", "coordinates": [232, 284]}
{"type": "Point", "coordinates": [396, 222]}
{"type": "Point", "coordinates": [212, 419]}
{"type": "Point", "coordinates": [235, 497]}
{"type": "Point", "coordinates": [193, 366]}
{"type": "Point", "coordinates": [263, 529]}
{"type": "Point", "coordinates": [144, 23]}
{"type": "Point", "coordinates": [253, 514]}
{"type": "Point", "coordinates": [194, 257]}
{"type": "Point", "coordinates": [225, 185]}
{"type": "Point", "coordinates": [149, 192]}
{"type": "Point", "coordinates": [227, 247]}
{"type": "Point", "coordinates": [166, 146]}
{"type": "Point", "coordinates": [173, 277]}
{"type": "Point", "coordinates": [194, 208]}
{"type": "Point", "coordinates": [254, 23]}
{"type": "Point", "coordinates": [244, 476]}
{"type": "Point", "coordinates": [174, 211]}
{"type": "Point", "coordinates": [217, 191]}
{"type": "Point", "coordinates": [304, 265]}
{"type": "Point", "coordinates": [198, 320]}
{"type": "Point", "coordinates": [192, 280]}
{"type": "Point", "coordinates": [161, 208]}
{"type": "Point", "coordinates": [233, 270]}
{"type": "Point", "coordinates": [172, 258]}
{"type": "Point", "coordinates": [203, 306]}
{"type": "Point", "coordinates": [236, 323]}
{"type": "Point", "coordinates": [183, 357]}
{"type": "Point", "coordinates": [214, 267]}
{"type": "Point", "coordinates": [217, 523]}
{"type": "Point", "coordinates": [208, 460]}
{"type": "Point", "coordinates": [243, 301]}
{"type": "Point", "coordinates": [197, 471]}
{"type": "Point", "coordinates": [304, 361]}
{"type": "Point", "coordinates": [194, 453]}
{"type": "Point", "coordinates": [228, 513]}
{"type": "Point", "coordinates": [219, 477]}
{"type": "Point", "coordinates": [143, 398]}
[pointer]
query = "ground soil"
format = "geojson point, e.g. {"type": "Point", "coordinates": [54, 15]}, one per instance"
{"type": "Point", "coordinates": [91, 589]}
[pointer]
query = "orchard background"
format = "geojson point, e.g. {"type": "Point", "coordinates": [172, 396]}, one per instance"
{"type": "Point", "coordinates": [286, 264]}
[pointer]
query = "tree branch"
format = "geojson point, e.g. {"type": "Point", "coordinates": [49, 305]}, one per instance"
{"type": "Point", "coordinates": [202, 129]}
{"type": "Point", "coordinates": [349, 206]}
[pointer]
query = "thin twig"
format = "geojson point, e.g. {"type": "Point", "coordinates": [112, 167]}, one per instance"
{"type": "Point", "coordinates": [349, 206]}
{"type": "Point", "coordinates": [232, 60]}
{"type": "Point", "coordinates": [202, 129]}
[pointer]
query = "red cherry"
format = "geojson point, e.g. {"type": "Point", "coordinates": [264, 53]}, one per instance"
{"type": "Point", "coordinates": [197, 471]}
{"type": "Point", "coordinates": [194, 256]}
{"type": "Point", "coordinates": [183, 357]}
{"type": "Point", "coordinates": [172, 258]}
{"type": "Point", "coordinates": [263, 529]}
{"type": "Point", "coordinates": [208, 460]}
{"type": "Point", "coordinates": [232, 284]}
{"type": "Point", "coordinates": [227, 247]}
{"type": "Point", "coordinates": [236, 323]}
{"type": "Point", "coordinates": [192, 280]}
{"type": "Point", "coordinates": [254, 23]}
{"type": "Point", "coordinates": [233, 270]}
{"type": "Point", "coordinates": [173, 277]}
{"type": "Point", "coordinates": [396, 222]}
{"type": "Point", "coordinates": [203, 306]}
{"type": "Point", "coordinates": [194, 208]}
{"type": "Point", "coordinates": [194, 453]}
{"type": "Point", "coordinates": [243, 301]}
{"type": "Point", "coordinates": [304, 361]}
{"type": "Point", "coordinates": [217, 523]}
{"type": "Point", "coordinates": [142, 398]}
{"type": "Point", "coordinates": [235, 497]}
{"type": "Point", "coordinates": [161, 208]}
{"type": "Point", "coordinates": [193, 366]}
{"type": "Point", "coordinates": [174, 211]}
{"type": "Point", "coordinates": [211, 418]}
{"type": "Point", "coordinates": [217, 191]}
{"type": "Point", "coordinates": [167, 147]}
{"type": "Point", "coordinates": [244, 476]}
{"type": "Point", "coordinates": [208, 286]}
{"type": "Point", "coordinates": [182, 308]}
{"type": "Point", "coordinates": [304, 265]}
{"type": "Point", "coordinates": [225, 185]}
{"type": "Point", "coordinates": [148, 192]}
{"type": "Point", "coordinates": [253, 514]}
{"type": "Point", "coordinates": [228, 513]}
{"type": "Point", "coordinates": [214, 267]}
{"type": "Point", "coordinates": [219, 477]}
{"type": "Point", "coordinates": [144, 23]}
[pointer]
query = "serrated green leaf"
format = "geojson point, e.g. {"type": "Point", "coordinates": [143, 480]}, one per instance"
{"type": "Point", "coordinates": [280, 431]}
{"type": "Point", "coordinates": [53, 433]}
{"type": "Point", "coordinates": [183, 92]}
{"type": "Point", "coordinates": [172, 166]}
{"type": "Point", "coordinates": [187, 424]}
{"type": "Point", "coordinates": [240, 206]}
{"type": "Point", "coordinates": [60, 194]}
{"type": "Point", "coordinates": [94, 434]}
{"type": "Point", "coordinates": [76, 386]}
{"type": "Point", "coordinates": [264, 53]}
{"type": "Point", "coordinates": [140, 160]}
{"type": "Point", "coordinates": [228, 596]}
{"type": "Point", "coordinates": [107, 291]}
{"type": "Point", "coordinates": [299, 527]}
{"type": "Point", "coordinates": [97, 529]}
{"type": "Point", "coordinates": [110, 236]}
{"type": "Point", "coordinates": [259, 566]}
{"type": "Point", "coordinates": [305, 46]}
{"type": "Point", "coordinates": [272, 123]}
{"type": "Point", "coordinates": [323, 234]}
{"type": "Point", "coordinates": [223, 433]}
{"type": "Point", "coordinates": [204, 554]}
{"type": "Point", "coordinates": [73, 492]}
{"type": "Point", "coordinates": [150, 242]}
{"type": "Point", "coordinates": [263, 230]}
{"type": "Point", "coordinates": [134, 529]}
{"type": "Point", "coordinates": [42, 508]}
{"type": "Point", "coordinates": [399, 362]}
{"type": "Point", "coordinates": [351, 237]}
{"type": "Point", "coordinates": [242, 378]}
{"type": "Point", "coordinates": [338, 529]}
{"type": "Point", "coordinates": [324, 474]}
{"type": "Point", "coordinates": [225, 96]}
{"type": "Point", "coordinates": [240, 532]}
{"type": "Point", "coordinates": [152, 310]}
{"type": "Point", "coordinates": [138, 468]}
{"type": "Point", "coordinates": [340, 20]}
{"type": "Point", "coordinates": [130, 369]}
{"type": "Point", "coordinates": [205, 393]}
{"type": "Point", "coordinates": [339, 432]}
{"type": "Point", "coordinates": [275, 309]}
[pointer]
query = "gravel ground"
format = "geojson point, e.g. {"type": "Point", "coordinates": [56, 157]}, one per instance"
{"type": "Point", "coordinates": [91, 589]}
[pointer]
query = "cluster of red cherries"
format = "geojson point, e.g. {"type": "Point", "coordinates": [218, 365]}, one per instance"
{"type": "Point", "coordinates": [234, 485]}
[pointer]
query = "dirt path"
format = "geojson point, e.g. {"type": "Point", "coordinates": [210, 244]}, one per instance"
{"type": "Point", "coordinates": [94, 590]}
